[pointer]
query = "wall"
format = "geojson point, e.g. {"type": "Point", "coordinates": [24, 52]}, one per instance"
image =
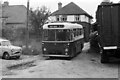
{"type": "Point", "coordinates": [71, 18]}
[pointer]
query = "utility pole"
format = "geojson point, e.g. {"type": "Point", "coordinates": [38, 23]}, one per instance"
{"type": "Point", "coordinates": [1, 19]}
{"type": "Point", "coordinates": [27, 27]}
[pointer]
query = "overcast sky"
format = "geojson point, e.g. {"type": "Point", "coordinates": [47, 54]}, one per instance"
{"type": "Point", "coordinates": [89, 6]}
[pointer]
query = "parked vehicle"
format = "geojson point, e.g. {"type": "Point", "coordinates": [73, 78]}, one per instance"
{"type": "Point", "coordinates": [108, 19]}
{"type": "Point", "coordinates": [62, 39]}
{"type": "Point", "coordinates": [7, 50]}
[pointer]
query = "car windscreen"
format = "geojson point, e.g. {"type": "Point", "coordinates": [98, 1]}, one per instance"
{"type": "Point", "coordinates": [6, 43]}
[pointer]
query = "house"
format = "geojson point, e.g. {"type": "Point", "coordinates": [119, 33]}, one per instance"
{"type": "Point", "coordinates": [14, 15]}
{"type": "Point", "coordinates": [74, 14]}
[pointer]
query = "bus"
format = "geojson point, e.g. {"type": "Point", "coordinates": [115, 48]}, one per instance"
{"type": "Point", "coordinates": [62, 39]}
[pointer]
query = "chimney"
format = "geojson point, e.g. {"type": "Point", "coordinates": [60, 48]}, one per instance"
{"type": "Point", "coordinates": [59, 5]}
{"type": "Point", "coordinates": [6, 3]}
{"type": "Point", "coordinates": [106, 1]}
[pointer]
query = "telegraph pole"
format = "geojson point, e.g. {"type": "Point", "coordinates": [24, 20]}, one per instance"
{"type": "Point", "coordinates": [27, 27]}
{"type": "Point", "coordinates": [0, 19]}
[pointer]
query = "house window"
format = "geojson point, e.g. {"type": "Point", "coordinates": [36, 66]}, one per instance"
{"type": "Point", "coordinates": [64, 18]}
{"type": "Point", "coordinates": [57, 18]}
{"type": "Point", "coordinates": [61, 18]}
{"type": "Point", "coordinates": [77, 18]}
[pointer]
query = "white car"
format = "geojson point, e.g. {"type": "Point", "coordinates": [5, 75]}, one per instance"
{"type": "Point", "coordinates": [7, 50]}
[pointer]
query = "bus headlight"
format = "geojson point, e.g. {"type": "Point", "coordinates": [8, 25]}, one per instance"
{"type": "Point", "coordinates": [66, 53]}
{"type": "Point", "coordinates": [66, 50]}
{"type": "Point", "coordinates": [68, 44]}
{"type": "Point", "coordinates": [44, 49]}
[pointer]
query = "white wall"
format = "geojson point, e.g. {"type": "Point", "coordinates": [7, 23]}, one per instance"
{"type": "Point", "coordinates": [70, 18]}
{"type": "Point", "coordinates": [82, 17]}
{"type": "Point", "coordinates": [85, 18]}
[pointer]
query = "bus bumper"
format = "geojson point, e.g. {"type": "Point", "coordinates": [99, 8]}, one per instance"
{"type": "Point", "coordinates": [111, 47]}
{"type": "Point", "coordinates": [56, 56]}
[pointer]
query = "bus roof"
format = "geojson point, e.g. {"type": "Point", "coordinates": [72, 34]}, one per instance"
{"type": "Point", "coordinates": [65, 24]}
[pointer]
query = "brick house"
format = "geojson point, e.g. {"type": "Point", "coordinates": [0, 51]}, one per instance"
{"type": "Point", "coordinates": [14, 15]}
{"type": "Point", "coordinates": [14, 19]}
{"type": "Point", "coordinates": [74, 14]}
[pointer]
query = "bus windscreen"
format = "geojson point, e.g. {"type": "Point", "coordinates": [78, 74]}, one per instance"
{"type": "Point", "coordinates": [56, 35]}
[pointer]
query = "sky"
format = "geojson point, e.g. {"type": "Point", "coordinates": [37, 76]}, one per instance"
{"type": "Point", "coordinates": [90, 6]}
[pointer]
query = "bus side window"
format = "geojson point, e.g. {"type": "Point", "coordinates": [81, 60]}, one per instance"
{"type": "Point", "coordinates": [75, 32]}
{"type": "Point", "coordinates": [82, 31]}
{"type": "Point", "coordinates": [78, 32]}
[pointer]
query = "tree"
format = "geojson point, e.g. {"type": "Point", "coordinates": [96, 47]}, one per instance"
{"type": "Point", "coordinates": [38, 18]}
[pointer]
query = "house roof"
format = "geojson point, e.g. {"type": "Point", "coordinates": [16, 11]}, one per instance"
{"type": "Point", "coordinates": [14, 14]}
{"type": "Point", "coordinates": [70, 9]}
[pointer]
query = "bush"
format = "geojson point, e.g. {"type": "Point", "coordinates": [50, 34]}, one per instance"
{"type": "Point", "coordinates": [30, 51]}
{"type": "Point", "coordinates": [13, 33]}
{"type": "Point", "coordinates": [17, 36]}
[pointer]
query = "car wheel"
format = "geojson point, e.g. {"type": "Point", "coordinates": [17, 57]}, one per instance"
{"type": "Point", "coordinates": [6, 56]}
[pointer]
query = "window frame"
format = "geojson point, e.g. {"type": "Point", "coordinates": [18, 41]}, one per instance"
{"type": "Point", "coordinates": [77, 18]}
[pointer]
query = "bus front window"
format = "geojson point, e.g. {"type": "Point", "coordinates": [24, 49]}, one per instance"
{"type": "Point", "coordinates": [62, 35]}
{"type": "Point", "coordinates": [49, 35]}
{"type": "Point", "coordinates": [56, 35]}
